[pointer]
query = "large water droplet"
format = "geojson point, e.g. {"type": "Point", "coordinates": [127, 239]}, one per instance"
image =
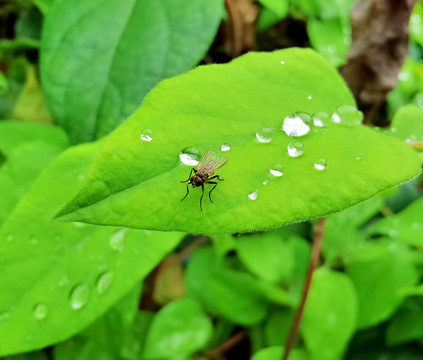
{"type": "Point", "coordinates": [40, 311]}
{"type": "Point", "coordinates": [320, 119]}
{"type": "Point", "coordinates": [104, 282]}
{"type": "Point", "coordinates": [190, 156]}
{"type": "Point", "coordinates": [265, 135]}
{"type": "Point", "coordinates": [117, 240]}
{"type": "Point", "coordinates": [79, 296]}
{"type": "Point", "coordinates": [347, 115]}
{"type": "Point", "coordinates": [253, 195]}
{"type": "Point", "coordinates": [225, 147]}
{"type": "Point", "coordinates": [295, 149]}
{"type": "Point", "coordinates": [297, 124]}
{"type": "Point", "coordinates": [276, 170]}
{"type": "Point", "coordinates": [147, 135]}
{"type": "Point", "coordinates": [320, 164]}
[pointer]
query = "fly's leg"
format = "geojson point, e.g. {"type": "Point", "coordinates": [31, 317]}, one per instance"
{"type": "Point", "coordinates": [201, 198]}
{"type": "Point", "coordinates": [215, 184]}
{"type": "Point", "coordinates": [216, 177]}
{"type": "Point", "coordinates": [186, 193]}
{"type": "Point", "coordinates": [189, 177]}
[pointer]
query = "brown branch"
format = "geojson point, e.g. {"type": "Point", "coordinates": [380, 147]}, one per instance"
{"type": "Point", "coordinates": [313, 264]}
{"type": "Point", "coordinates": [227, 345]}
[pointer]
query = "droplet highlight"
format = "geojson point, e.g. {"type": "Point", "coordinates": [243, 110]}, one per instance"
{"type": "Point", "coordinates": [104, 282]}
{"type": "Point", "coordinates": [79, 296]}
{"type": "Point", "coordinates": [265, 135]}
{"type": "Point", "coordinates": [40, 311]}
{"type": "Point", "coordinates": [190, 156]}
{"type": "Point", "coordinates": [253, 196]}
{"type": "Point", "coordinates": [347, 115]}
{"type": "Point", "coordinates": [225, 147]}
{"type": "Point", "coordinates": [297, 124]}
{"type": "Point", "coordinates": [276, 170]}
{"type": "Point", "coordinates": [295, 149]}
{"type": "Point", "coordinates": [320, 164]}
{"type": "Point", "coordinates": [320, 119]}
{"type": "Point", "coordinates": [117, 240]}
{"type": "Point", "coordinates": [147, 135]}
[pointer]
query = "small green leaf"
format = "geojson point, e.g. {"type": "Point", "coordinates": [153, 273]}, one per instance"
{"type": "Point", "coordinates": [275, 353]}
{"type": "Point", "coordinates": [380, 272]}
{"type": "Point", "coordinates": [416, 24]}
{"type": "Point", "coordinates": [266, 255]}
{"type": "Point", "coordinates": [240, 104]}
{"type": "Point", "coordinates": [406, 226]}
{"type": "Point", "coordinates": [56, 273]}
{"type": "Point", "coordinates": [408, 125]}
{"type": "Point", "coordinates": [115, 65]}
{"type": "Point", "coordinates": [277, 326]}
{"type": "Point", "coordinates": [279, 7]}
{"type": "Point", "coordinates": [330, 315]}
{"type": "Point", "coordinates": [179, 329]}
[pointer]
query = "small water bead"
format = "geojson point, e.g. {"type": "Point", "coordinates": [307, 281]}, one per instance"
{"type": "Point", "coordinates": [320, 119]}
{"type": "Point", "coordinates": [347, 115]}
{"type": "Point", "coordinates": [117, 240]}
{"type": "Point", "coordinates": [190, 156]}
{"type": "Point", "coordinates": [104, 282]}
{"type": "Point", "coordinates": [297, 124]}
{"type": "Point", "coordinates": [265, 182]}
{"type": "Point", "coordinates": [276, 170]}
{"type": "Point", "coordinates": [40, 311]}
{"type": "Point", "coordinates": [225, 147]}
{"type": "Point", "coordinates": [295, 149]}
{"type": "Point", "coordinates": [253, 196]}
{"type": "Point", "coordinates": [320, 164]}
{"type": "Point", "coordinates": [147, 135]}
{"type": "Point", "coordinates": [309, 97]}
{"type": "Point", "coordinates": [79, 296]}
{"type": "Point", "coordinates": [282, 62]}
{"type": "Point", "coordinates": [265, 135]}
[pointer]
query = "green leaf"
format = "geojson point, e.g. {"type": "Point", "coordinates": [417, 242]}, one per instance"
{"type": "Point", "coordinates": [36, 355]}
{"type": "Point", "coordinates": [115, 66]}
{"type": "Point", "coordinates": [55, 273]}
{"type": "Point", "coordinates": [277, 326]}
{"type": "Point", "coordinates": [275, 352]}
{"type": "Point", "coordinates": [218, 105]}
{"type": "Point", "coordinates": [179, 329]}
{"type": "Point", "coordinates": [407, 323]}
{"type": "Point", "coordinates": [279, 7]}
{"type": "Point", "coordinates": [416, 24]}
{"type": "Point", "coordinates": [380, 272]}
{"type": "Point", "coordinates": [266, 255]}
{"type": "Point", "coordinates": [330, 315]}
{"type": "Point", "coordinates": [406, 226]}
{"type": "Point", "coordinates": [407, 124]}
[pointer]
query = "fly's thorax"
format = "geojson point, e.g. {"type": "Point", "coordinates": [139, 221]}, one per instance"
{"type": "Point", "coordinates": [197, 180]}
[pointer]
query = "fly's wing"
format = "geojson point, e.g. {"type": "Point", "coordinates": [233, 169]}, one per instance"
{"type": "Point", "coordinates": [206, 164]}
{"type": "Point", "coordinates": [220, 162]}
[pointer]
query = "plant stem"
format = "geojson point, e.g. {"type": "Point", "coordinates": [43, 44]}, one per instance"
{"type": "Point", "coordinates": [227, 345]}
{"type": "Point", "coordinates": [313, 264]}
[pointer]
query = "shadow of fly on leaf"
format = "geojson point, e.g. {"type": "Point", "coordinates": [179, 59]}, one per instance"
{"type": "Point", "coordinates": [207, 166]}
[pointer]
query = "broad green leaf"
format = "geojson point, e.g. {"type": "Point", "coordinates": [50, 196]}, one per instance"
{"type": "Point", "coordinates": [267, 255]}
{"type": "Point", "coordinates": [279, 7]}
{"type": "Point", "coordinates": [266, 19]}
{"type": "Point", "coordinates": [406, 226]}
{"type": "Point", "coordinates": [407, 323]}
{"type": "Point", "coordinates": [223, 243]}
{"type": "Point", "coordinates": [100, 58]}
{"type": "Point", "coordinates": [219, 105]}
{"type": "Point", "coordinates": [36, 355]}
{"type": "Point", "coordinates": [330, 315]}
{"type": "Point", "coordinates": [55, 273]}
{"type": "Point", "coordinates": [81, 349]}
{"type": "Point", "coordinates": [380, 272]}
{"type": "Point", "coordinates": [416, 24]}
{"type": "Point", "coordinates": [179, 329]}
{"type": "Point", "coordinates": [277, 326]}
{"type": "Point", "coordinates": [275, 353]}
{"type": "Point", "coordinates": [408, 124]}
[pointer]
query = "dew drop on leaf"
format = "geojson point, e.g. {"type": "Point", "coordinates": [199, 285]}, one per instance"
{"type": "Point", "coordinates": [253, 195]}
{"type": "Point", "coordinates": [40, 311]}
{"type": "Point", "coordinates": [295, 149]}
{"type": "Point", "coordinates": [309, 97]}
{"type": "Point", "coordinates": [265, 182]}
{"type": "Point", "coordinates": [276, 170]}
{"type": "Point", "coordinates": [117, 240]}
{"type": "Point", "coordinates": [297, 124]}
{"type": "Point", "coordinates": [320, 164]}
{"type": "Point", "coordinates": [282, 62]}
{"type": "Point", "coordinates": [225, 147]}
{"type": "Point", "coordinates": [104, 282]}
{"type": "Point", "coordinates": [265, 135]}
{"type": "Point", "coordinates": [190, 156]}
{"type": "Point", "coordinates": [347, 115]}
{"type": "Point", "coordinates": [147, 135]}
{"type": "Point", "coordinates": [320, 119]}
{"type": "Point", "coordinates": [79, 296]}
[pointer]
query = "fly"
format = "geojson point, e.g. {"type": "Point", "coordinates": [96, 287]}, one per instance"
{"type": "Point", "coordinates": [207, 166]}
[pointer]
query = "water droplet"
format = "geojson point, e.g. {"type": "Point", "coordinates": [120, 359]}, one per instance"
{"type": "Point", "coordinates": [225, 147]}
{"type": "Point", "coordinates": [190, 156]}
{"type": "Point", "coordinates": [276, 170]}
{"type": "Point", "coordinates": [295, 149]}
{"type": "Point", "coordinates": [265, 135]}
{"type": "Point", "coordinates": [320, 119]}
{"type": "Point", "coordinates": [282, 62]}
{"type": "Point", "coordinates": [265, 182]}
{"type": "Point", "coordinates": [104, 282]}
{"type": "Point", "coordinates": [40, 311]}
{"type": "Point", "coordinates": [347, 115]}
{"type": "Point", "coordinates": [117, 240]}
{"type": "Point", "coordinates": [297, 124]}
{"type": "Point", "coordinates": [147, 135]}
{"type": "Point", "coordinates": [309, 97]}
{"type": "Point", "coordinates": [79, 296]}
{"type": "Point", "coordinates": [320, 164]}
{"type": "Point", "coordinates": [359, 157]}
{"type": "Point", "coordinates": [253, 195]}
